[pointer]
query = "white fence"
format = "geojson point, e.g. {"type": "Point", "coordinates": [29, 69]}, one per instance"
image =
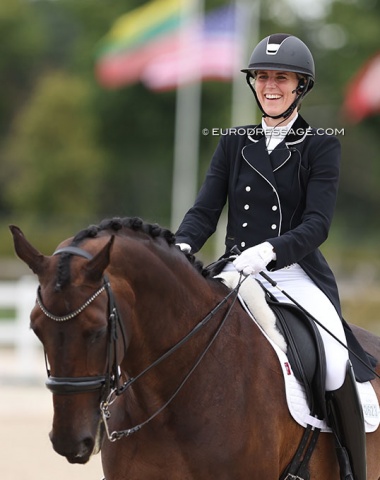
{"type": "Point", "coordinates": [18, 344]}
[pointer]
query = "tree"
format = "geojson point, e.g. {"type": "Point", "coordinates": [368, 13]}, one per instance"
{"type": "Point", "coordinates": [65, 142]}
{"type": "Point", "coordinates": [21, 48]}
{"type": "Point", "coordinates": [52, 165]}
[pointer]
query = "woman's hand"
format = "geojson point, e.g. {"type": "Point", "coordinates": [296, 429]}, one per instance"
{"type": "Point", "coordinates": [185, 247]}
{"type": "Point", "coordinates": [255, 259]}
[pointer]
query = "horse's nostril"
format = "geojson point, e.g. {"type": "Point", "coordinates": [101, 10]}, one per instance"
{"type": "Point", "coordinates": [75, 452]}
{"type": "Point", "coordinates": [88, 444]}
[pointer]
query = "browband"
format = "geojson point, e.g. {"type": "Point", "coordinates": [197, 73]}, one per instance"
{"type": "Point", "coordinates": [74, 251]}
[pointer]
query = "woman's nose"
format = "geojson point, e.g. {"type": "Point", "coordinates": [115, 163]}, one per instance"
{"type": "Point", "coordinates": [271, 82]}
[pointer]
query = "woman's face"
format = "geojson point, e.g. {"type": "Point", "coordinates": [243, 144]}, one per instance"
{"type": "Point", "coordinates": [276, 91]}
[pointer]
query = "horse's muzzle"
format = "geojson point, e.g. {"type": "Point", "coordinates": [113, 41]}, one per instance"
{"type": "Point", "coordinates": [77, 446]}
{"type": "Point", "coordinates": [74, 452]}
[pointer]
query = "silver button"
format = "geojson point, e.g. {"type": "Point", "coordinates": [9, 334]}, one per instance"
{"type": "Point", "coordinates": [274, 208]}
{"type": "Point", "coordinates": [242, 244]}
{"type": "Point", "coordinates": [245, 224]}
{"type": "Point", "coordinates": [246, 207]}
{"type": "Point", "coordinates": [274, 226]}
{"type": "Point", "coordinates": [248, 188]}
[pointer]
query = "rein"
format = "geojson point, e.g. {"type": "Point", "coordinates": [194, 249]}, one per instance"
{"type": "Point", "coordinates": [109, 383]}
{"type": "Point", "coordinates": [104, 406]}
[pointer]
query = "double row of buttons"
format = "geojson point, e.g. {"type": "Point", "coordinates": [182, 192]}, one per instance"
{"type": "Point", "coordinates": [247, 207]}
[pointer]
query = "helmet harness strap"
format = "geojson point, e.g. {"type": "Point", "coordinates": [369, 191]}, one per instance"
{"type": "Point", "coordinates": [301, 91]}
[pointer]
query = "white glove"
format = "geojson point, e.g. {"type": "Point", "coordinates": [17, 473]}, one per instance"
{"type": "Point", "coordinates": [185, 247]}
{"type": "Point", "coordinates": [255, 259]}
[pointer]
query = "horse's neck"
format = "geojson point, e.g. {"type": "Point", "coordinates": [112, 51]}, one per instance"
{"type": "Point", "coordinates": [168, 301]}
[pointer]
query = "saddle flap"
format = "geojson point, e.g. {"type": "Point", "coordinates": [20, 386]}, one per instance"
{"type": "Point", "coordinates": [305, 352]}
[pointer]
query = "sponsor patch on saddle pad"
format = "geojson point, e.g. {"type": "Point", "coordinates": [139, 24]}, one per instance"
{"type": "Point", "coordinates": [253, 301]}
{"type": "Point", "coordinates": [298, 407]}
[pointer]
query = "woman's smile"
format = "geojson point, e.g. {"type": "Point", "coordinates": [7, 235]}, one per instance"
{"type": "Point", "coordinates": [276, 91]}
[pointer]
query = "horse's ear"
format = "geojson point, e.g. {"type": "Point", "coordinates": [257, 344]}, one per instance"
{"type": "Point", "coordinates": [26, 252]}
{"type": "Point", "coordinates": [95, 267]}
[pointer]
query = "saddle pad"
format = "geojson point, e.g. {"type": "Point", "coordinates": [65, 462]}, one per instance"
{"type": "Point", "coordinates": [296, 397]}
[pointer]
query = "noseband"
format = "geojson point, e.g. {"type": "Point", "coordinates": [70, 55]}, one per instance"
{"type": "Point", "coordinates": [104, 383]}
{"type": "Point", "coordinates": [110, 384]}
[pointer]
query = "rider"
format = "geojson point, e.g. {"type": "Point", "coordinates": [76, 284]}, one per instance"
{"type": "Point", "coordinates": [281, 179]}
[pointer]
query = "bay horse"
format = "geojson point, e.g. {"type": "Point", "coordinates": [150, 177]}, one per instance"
{"type": "Point", "coordinates": [154, 363]}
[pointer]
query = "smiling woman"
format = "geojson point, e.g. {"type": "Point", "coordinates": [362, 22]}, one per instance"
{"type": "Point", "coordinates": [276, 91]}
{"type": "Point", "coordinates": [285, 60]}
{"type": "Point", "coordinates": [280, 179]}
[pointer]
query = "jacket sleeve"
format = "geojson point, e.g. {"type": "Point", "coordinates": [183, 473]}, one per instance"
{"type": "Point", "coordinates": [320, 199]}
{"type": "Point", "coordinates": [201, 220]}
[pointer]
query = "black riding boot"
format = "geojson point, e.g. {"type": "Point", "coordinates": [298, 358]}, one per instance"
{"type": "Point", "coordinates": [346, 420]}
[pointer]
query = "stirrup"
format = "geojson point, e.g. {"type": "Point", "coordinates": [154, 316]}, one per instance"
{"type": "Point", "coordinates": [346, 419]}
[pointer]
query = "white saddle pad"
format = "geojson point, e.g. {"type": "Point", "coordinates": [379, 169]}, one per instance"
{"type": "Point", "coordinates": [295, 392]}
{"type": "Point", "coordinates": [298, 407]}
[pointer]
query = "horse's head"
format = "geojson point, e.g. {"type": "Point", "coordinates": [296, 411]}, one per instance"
{"type": "Point", "coordinates": [93, 347]}
{"type": "Point", "coordinates": [72, 320]}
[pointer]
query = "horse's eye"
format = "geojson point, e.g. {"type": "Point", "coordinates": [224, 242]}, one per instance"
{"type": "Point", "coordinates": [96, 335]}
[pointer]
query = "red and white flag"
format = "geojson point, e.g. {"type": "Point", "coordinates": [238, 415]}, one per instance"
{"type": "Point", "coordinates": [363, 95]}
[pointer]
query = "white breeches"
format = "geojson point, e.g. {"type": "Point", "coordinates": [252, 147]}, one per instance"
{"type": "Point", "coordinates": [294, 281]}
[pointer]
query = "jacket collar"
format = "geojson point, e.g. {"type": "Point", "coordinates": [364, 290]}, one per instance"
{"type": "Point", "coordinates": [255, 154]}
{"type": "Point", "coordinates": [257, 157]}
{"type": "Point", "coordinates": [297, 133]}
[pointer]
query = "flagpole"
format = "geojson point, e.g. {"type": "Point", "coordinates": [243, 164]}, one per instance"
{"type": "Point", "coordinates": [187, 128]}
{"type": "Point", "coordinates": [243, 111]}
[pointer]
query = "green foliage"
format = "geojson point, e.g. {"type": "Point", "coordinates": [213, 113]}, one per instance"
{"type": "Point", "coordinates": [52, 165]}
{"type": "Point", "coordinates": [72, 153]}
{"type": "Point", "coordinates": [21, 48]}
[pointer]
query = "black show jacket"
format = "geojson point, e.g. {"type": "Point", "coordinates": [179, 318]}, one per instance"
{"type": "Point", "coordinates": [286, 198]}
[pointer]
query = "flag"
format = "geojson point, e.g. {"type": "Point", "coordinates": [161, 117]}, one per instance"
{"type": "Point", "coordinates": [363, 97]}
{"type": "Point", "coordinates": [125, 68]}
{"type": "Point", "coordinates": [208, 51]}
{"type": "Point", "coordinates": [142, 25]}
{"type": "Point", "coordinates": [203, 49]}
{"type": "Point", "coordinates": [134, 38]}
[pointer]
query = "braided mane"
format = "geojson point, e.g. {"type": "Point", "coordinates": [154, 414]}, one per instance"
{"type": "Point", "coordinates": [114, 225]}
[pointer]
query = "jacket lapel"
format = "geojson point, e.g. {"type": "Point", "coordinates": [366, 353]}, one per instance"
{"type": "Point", "coordinates": [280, 155]}
{"type": "Point", "coordinates": [256, 156]}
{"type": "Point", "coordinates": [297, 134]}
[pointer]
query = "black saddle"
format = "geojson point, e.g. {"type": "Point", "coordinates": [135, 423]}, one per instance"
{"type": "Point", "coordinates": [305, 351]}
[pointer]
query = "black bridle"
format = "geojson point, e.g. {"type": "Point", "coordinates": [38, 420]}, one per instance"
{"type": "Point", "coordinates": [111, 379]}
{"type": "Point", "coordinates": [105, 404]}
{"type": "Point", "coordinates": [110, 384]}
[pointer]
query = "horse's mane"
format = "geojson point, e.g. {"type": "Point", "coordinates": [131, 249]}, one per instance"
{"type": "Point", "coordinates": [114, 225]}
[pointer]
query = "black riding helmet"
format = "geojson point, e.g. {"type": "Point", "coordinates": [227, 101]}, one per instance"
{"type": "Point", "coordinates": [284, 52]}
